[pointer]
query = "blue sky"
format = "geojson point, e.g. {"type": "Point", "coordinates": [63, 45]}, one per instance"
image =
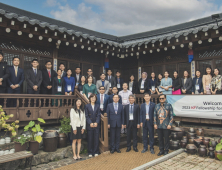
{"type": "Point", "coordinates": [121, 17]}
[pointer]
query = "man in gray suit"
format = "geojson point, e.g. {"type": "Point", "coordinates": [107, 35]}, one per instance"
{"type": "Point", "coordinates": [102, 82]}
{"type": "Point", "coordinates": [90, 73]}
{"type": "Point", "coordinates": [111, 79]}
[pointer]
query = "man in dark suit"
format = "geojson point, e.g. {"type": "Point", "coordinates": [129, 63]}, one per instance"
{"type": "Point", "coordinates": [77, 75]}
{"type": "Point", "coordinates": [115, 114]}
{"type": "Point", "coordinates": [119, 81]}
{"type": "Point", "coordinates": [114, 91]}
{"type": "Point", "coordinates": [4, 74]}
{"type": "Point", "coordinates": [132, 122]}
{"type": "Point", "coordinates": [90, 73]}
{"type": "Point", "coordinates": [62, 67]}
{"type": "Point", "coordinates": [15, 80]}
{"type": "Point", "coordinates": [102, 99]}
{"type": "Point", "coordinates": [111, 79]}
{"type": "Point", "coordinates": [48, 75]}
{"type": "Point", "coordinates": [146, 121]}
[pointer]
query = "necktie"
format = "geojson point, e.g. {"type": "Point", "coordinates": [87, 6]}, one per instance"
{"type": "Point", "coordinates": [116, 108]}
{"type": "Point", "coordinates": [101, 101]}
{"type": "Point", "coordinates": [49, 74]}
{"type": "Point", "coordinates": [35, 71]}
{"type": "Point", "coordinates": [16, 71]}
{"type": "Point", "coordinates": [131, 109]}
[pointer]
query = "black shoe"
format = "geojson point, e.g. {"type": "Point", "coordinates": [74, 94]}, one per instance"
{"type": "Point", "coordinates": [128, 149]}
{"type": "Point", "coordinates": [165, 152]}
{"type": "Point", "coordinates": [135, 149]}
{"type": "Point", "coordinates": [152, 151]}
{"type": "Point", "coordinates": [112, 151]}
{"type": "Point", "coordinates": [160, 153]}
{"type": "Point", "coordinates": [144, 150]}
{"type": "Point", "coordinates": [118, 151]}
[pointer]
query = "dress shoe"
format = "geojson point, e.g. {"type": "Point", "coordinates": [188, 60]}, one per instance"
{"type": "Point", "coordinates": [135, 149]}
{"type": "Point", "coordinates": [118, 151]}
{"type": "Point", "coordinates": [112, 151]}
{"type": "Point", "coordinates": [160, 153]}
{"type": "Point", "coordinates": [128, 149]}
{"type": "Point", "coordinates": [152, 151]}
{"type": "Point", "coordinates": [144, 150]}
{"type": "Point", "coordinates": [165, 152]}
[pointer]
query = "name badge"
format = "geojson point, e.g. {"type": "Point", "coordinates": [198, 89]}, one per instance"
{"type": "Point", "coordinates": [110, 85]}
{"type": "Point", "coordinates": [130, 116]}
{"type": "Point", "coordinates": [197, 86]}
{"type": "Point", "coordinates": [101, 106]}
{"type": "Point", "coordinates": [118, 86]}
{"type": "Point", "coordinates": [116, 112]}
{"type": "Point", "coordinates": [69, 88]}
{"type": "Point", "coordinates": [80, 92]}
{"type": "Point", "coordinates": [125, 100]}
{"type": "Point", "coordinates": [59, 89]}
{"type": "Point", "coordinates": [77, 84]}
{"type": "Point", "coordinates": [153, 88]}
{"type": "Point", "coordinates": [142, 86]}
{"type": "Point", "coordinates": [131, 89]}
{"type": "Point", "coordinates": [89, 94]}
{"type": "Point", "coordinates": [147, 116]}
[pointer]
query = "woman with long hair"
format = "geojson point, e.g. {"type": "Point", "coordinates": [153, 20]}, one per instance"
{"type": "Point", "coordinates": [166, 83]}
{"type": "Point", "coordinates": [157, 85]}
{"type": "Point", "coordinates": [186, 83]}
{"type": "Point", "coordinates": [132, 85]}
{"type": "Point", "coordinates": [176, 83]}
{"type": "Point", "coordinates": [197, 85]}
{"type": "Point", "coordinates": [80, 86]}
{"type": "Point", "coordinates": [216, 82]}
{"type": "Point", "coordinates": [151, 83]}
{"type": "Point", "coordinates": [207, 80]}
{"type": "Point", "coordinates": [89, 88]}
{"type": "Point", "coordinates": [78, 123]}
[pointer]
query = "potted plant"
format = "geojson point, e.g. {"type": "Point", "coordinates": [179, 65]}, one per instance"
{"type": "Point", "coordinates": [218, 151]}
{"type": "Point", "coordinates": [64, 129]}
{"type": "Point", "coordinates": [20, 143]}
{"type": "Point", "coordinates": [35, 138]}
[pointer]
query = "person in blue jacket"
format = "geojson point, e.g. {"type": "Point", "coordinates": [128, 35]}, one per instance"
{"type": "Point", "coordinates": [102, 99]}
{"type": "Point", "coordinates": [69, 83]}
{"type": "Point", "coordinates": [197, 85]}
{"type": "Point", "coordinates": [93, 117]}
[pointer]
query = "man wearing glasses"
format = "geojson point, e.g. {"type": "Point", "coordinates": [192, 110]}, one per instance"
{"type": "Point", "coordinates": [146, 121]}
{"type": "Point", "coordinates": [163, 119]}
{"type": "Point", "coordinates": [90, 73]}
{"type": "Point", "coordinates": [102, 99]}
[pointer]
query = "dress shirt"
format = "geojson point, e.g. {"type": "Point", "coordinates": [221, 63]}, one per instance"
{"type": "Point", "coordinates": [35, 69]}
{"type": "Point", "coordinates": [115, 105]}
{"type": "Point", "coordinates": [109, 78]}
{"type": "Point", "coordinates": [147, 109]}
{"type": "Point", "coordinates": [77, 77]}
{"type": "Point", "coordinates": [93, 106]}
{"type": "Point", "coordinates": [125, 96]}
{"type": "Point", "coordinates": [101, 97]}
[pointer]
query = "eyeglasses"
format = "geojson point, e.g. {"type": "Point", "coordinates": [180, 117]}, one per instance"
{"type": "Point", "coordinates": [89, 71]}
{"type": "Point", "coordinates": [161, 98]}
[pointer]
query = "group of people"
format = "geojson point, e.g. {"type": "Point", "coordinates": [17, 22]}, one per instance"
{"type": "Point", "coordinates": [131, 116]}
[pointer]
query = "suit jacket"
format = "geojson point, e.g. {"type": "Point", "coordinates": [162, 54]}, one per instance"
{"type": "Point", "coordinates": [105, 102]}
{"type": "Point", "coordinates": [112, 81]}
{"type": "Point", "coordinates": [143, 113]}
{"type": "Point", "coordinates": [46, 81]}
{"type": "Point", "coordinates": [145, 86]}
{"type": "Point", "coordinates": [12, 80]}
{"type": "Point", "coordinates": [64, 74]}
{"type": "Point", "coordinates": [136, 114]}
{"type": "Point", "coordinates": [106, 85]}
{"type": "Point", "coordinates": [111, 99]}
{"type": "Point", "coordinates": [115, 120]}
{"type": "Point", "coordinates": [33, 79]}
{"type": "Point", "coordinates": [187, 85]}
{"type": "Point", "coordinates": [76, 78]}
{"type": "Point", "coordinates": [199, 83]}
{"type": "Point", "coordinates": [92, 116]}
{"type": "Point", "coordinates": [4, 73]}
{"type": "Point", "coordinates": [121, 84]}
{"type": "Point", "coordinates": [55, 85]}
{"type": "Point", "coordinates": [75, 121]}
{"type": "Point", "coordinates": [135, 87]}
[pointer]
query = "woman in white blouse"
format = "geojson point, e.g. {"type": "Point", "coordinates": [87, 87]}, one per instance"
{"type": "Point", "coordinates": [78, 123]}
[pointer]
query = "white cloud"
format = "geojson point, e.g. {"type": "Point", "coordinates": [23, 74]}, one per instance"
{"type": "Point", "coordinates": [123, 17]}
{"type": "Point", "coordinates": [51, 3]}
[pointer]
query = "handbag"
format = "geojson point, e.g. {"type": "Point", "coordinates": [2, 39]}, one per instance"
{"type": "Point", "coordinates": [177, 92]}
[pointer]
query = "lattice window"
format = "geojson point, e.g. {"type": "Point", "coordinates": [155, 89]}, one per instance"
{"type": "Point", "coordinates": [92, 58]}
{"type": "Point", "coordinates": [219, 65]}
{"type": "Point", "coordinates": [183, 67]}
{"type": "Point", "coordinates": [210, 53]}
{"type": "Point", "coordinates": [203, 64]}
{"type": "Point", "coordinates": [152, 59]}
{"type": "Point", "coordinates": [69, 54]}
{"type": "Point", "coordinates": [8, 57]}
{"type": "Point", "coordinates": [158, 69]}
{"type": "Point", "coordinates": [9, 46]}
{"type": "Point", "coordinates": [96, 71]}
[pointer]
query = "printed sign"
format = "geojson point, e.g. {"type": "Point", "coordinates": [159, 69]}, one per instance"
{"type": "Point", "coordinates": [139, 73]}
{"type": "Point", "coordinates": [55, 64]}
{"type": "Point", "coordinates": [193, 69]}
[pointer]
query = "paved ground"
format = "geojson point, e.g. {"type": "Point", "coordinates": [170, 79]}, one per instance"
{"type": "Point", "coordinates": [116, 161]}
{"type": "Point", "coordinates": [185, 161]}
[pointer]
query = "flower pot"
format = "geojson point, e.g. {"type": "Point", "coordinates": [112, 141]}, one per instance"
{"type": "Point", "coordinates": [19, 147]}
{"type": "Point", "coordinates": [183, 143]}
{"type": "Point", "coordinates": [34, 147]}
{"type": "Point", "coordinates": [217, 153]}
{"type": "Point", "coordinates": [200, 132]}
{"type": "Point", "coordinates": [202, 151]}
{"type": "Point", "coordinates": [190, 134]}
{"type": "Point", "coordinates": [50, 140]}
{"type": "Point", "coordinates": [62, 140]}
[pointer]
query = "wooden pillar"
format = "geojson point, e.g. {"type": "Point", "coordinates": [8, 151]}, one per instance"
{"type": "Point", "coordinates": [140, 64]}
{"type": "Point", "coordinates": [55, 57]}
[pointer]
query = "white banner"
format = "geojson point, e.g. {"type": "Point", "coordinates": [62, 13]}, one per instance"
{"type": "Point", "coordinates": [197, 106]}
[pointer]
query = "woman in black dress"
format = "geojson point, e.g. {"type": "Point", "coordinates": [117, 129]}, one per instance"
{"type": "Point", "coordinates": [78, 123]}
